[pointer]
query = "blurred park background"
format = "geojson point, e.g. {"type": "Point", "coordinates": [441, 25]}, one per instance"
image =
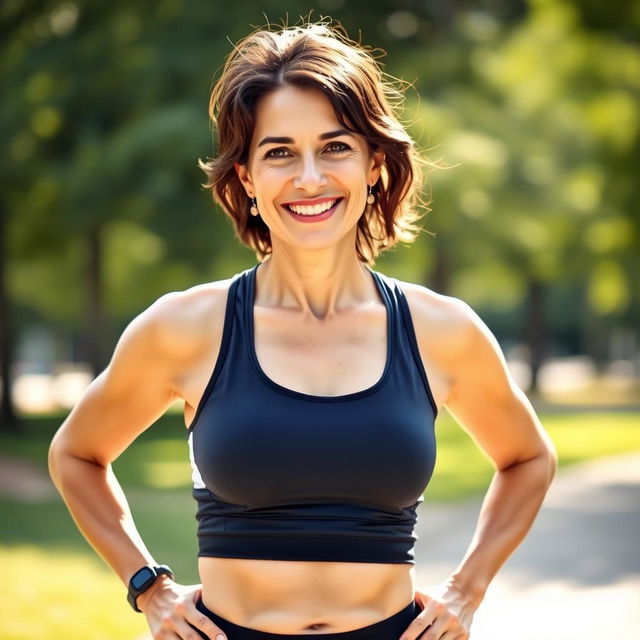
{"type": "Point", "coordinates": [533, 106]}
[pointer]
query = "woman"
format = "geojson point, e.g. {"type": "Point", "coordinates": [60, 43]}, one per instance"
{"type": "Point", "coordinates": [309, 409]}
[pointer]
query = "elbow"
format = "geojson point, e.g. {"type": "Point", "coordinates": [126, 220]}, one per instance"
{"type": "Point", "coordinates": [58, 461]}
{"type": "Point", "coordinates": [542, 466]}
{"type": "Point", "coordinates": [552, 461]}
{"type": "Point", "coordinates": [547, 459]}
{"type": "Point", "coordinates": [67, 469]}
{"type": "Point", "coordinates": [545, 463]}
{"type": "Point", "coordinates": [53, 461]}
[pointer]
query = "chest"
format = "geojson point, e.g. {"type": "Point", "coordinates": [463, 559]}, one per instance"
{"type": "Point", "coordinates": [263, 448]}
{"type": "Point", "coordinates": [303, 410]}
{"type": "Point", "coordinates": [325, 358]}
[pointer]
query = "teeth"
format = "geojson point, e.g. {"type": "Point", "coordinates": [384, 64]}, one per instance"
{"type": "Point", "coordinates": [308, 210]}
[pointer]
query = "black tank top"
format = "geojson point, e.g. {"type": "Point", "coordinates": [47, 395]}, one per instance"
{"type": "Point", "coordinates": [284, 475]}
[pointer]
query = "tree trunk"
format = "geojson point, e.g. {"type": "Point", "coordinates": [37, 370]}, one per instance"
{"type": "Point", "coordinates": [96, 319]}
{"type": "Point", "coordinates": [8, 419]}
{"type": "Point", "coordinates": [535, 330]}
{"type": "Point", "coordinates": [594, 335]}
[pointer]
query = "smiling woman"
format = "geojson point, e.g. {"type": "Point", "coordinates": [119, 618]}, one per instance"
{"type": "Point", "coordinates": [311, 383]}
{"type": "Point", "coordinates": [336, 170]}
{"type": "Point", "coordinates": [359, 100]}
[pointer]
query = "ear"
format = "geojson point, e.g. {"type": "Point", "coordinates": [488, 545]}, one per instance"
{"type": "Point", "coordinates": [375, 165]}
{"type": "Point", "coordinates": [245, 178]}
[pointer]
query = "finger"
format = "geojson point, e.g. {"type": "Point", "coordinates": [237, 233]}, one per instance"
{"type": "Point", "coordinates": [445, 627]}
{"type": "Point", "coordinates": [432, 622]}
{"type": "Point", "coordinates": [188, 612]}
{"type": "Point", "coordinates": [435, 631]}
{"type": "Point", "coordinates": [186, 632]}
{"type": "Point", "coordinates": [455, 635]}
{"type": "Point", "coordinates": [417, 626]}
{"type": "Point", "coordinates": [165, 631]}
{"type": "Point", "coordinates": [455, 630]}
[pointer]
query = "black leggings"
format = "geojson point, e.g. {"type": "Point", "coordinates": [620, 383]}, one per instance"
{"type": "Point", "coordinates": [388, 629]}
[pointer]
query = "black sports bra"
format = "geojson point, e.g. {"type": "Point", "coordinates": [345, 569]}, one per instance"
{"type": "Point", "coordinates": [284, 475]}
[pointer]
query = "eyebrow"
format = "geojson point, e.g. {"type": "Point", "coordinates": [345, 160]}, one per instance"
{"type": "Point", "coordinates": [322, 136]}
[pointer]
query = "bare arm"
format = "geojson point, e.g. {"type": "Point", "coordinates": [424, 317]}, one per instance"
{"type": "Point", "coordinates": [495, 412]}
{"type": "Point", "coordinates": [133, 391]}
{"type": "Point", "coordinates": [124, 400]}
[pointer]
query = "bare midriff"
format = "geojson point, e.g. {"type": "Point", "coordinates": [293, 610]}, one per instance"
{"type": "Point", "coordinates": [281, 596]}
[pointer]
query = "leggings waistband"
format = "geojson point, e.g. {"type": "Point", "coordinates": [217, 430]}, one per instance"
{"type": "Point", "coordinates": [388, 629]}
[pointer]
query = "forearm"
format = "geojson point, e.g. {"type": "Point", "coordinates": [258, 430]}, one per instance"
{"type": "Point", "coordinates": [99, 508]}
{"type": "Point", "coordinates": [513, 499]}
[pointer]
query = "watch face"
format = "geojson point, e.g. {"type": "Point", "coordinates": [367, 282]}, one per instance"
{"type": "Point", "coordinates": [142, 578]}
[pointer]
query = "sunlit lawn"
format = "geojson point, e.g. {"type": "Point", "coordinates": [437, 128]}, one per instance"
{"type": "Point", "coordinates": [62, 594]}
{"type": "Point", "coordinates": [60, 588]}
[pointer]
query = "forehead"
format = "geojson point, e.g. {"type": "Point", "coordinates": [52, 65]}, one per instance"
{"type": "Point", "coordinates": [293, 111]}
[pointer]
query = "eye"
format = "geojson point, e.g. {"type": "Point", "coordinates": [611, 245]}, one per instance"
{"type": "Point", "coordinates": [336, 147]}
{"type": "Point", "coordinates": [272, 153]}
{"type": "Point", "coordinates": [342, 146]}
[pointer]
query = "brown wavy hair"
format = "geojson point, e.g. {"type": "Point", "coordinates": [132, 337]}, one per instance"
{"type": "Point", "coordinates": [365, 100]}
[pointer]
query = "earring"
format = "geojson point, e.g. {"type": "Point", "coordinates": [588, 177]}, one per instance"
{"type": "Point", "coordinates": [370, 198]}
{"type": "Point", "coordinates": [254, 206]}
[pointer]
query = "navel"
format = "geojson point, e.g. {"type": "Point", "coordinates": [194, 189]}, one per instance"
{"type": "Point", "coordinates": [318, 626]}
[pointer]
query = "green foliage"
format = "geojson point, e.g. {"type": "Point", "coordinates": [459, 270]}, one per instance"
{"type": "Point", "coordinates": [535, 111]}
{"type": "Point", "coordinates": [539, 122]}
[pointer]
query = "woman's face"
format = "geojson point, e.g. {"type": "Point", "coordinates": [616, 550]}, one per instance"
{"type": "Point", "coordinates": [301, 157]}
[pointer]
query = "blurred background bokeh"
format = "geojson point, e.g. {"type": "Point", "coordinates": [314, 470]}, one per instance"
{"type": "Point", "coordinates": [532, 106]}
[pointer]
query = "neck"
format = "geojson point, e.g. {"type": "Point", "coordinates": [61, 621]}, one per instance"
{"type": "Point", "coordinates": [316, 287]}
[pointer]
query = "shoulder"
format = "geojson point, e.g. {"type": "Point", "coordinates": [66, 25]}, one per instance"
{"type": "Point", "coordinates": [481, 394]}
{"type": "Point", "coordinates": [178, 324]}
{"type": "Point", "coordinates": [444, 324]}
{"type": "Point", "coordinates": [180, 320]}
{"type": "Point", "coordinates": [456, 338]}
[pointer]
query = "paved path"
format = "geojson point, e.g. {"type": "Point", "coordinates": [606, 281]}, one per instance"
{"type": "Point", "coordinates": [24, 480]}
{"type": "Point", "coordinates": [576, 576]}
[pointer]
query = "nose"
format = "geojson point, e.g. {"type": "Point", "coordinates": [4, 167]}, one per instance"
{"type": "Point", "coordinates": [309, 176]}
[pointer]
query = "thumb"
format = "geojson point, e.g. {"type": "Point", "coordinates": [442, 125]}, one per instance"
{"type": "Point", "coordinates": [193, 591]}
{"type": "Point", "coordinates": [424, 595]}
{"type": "Point", "coordinates": [421, 599]}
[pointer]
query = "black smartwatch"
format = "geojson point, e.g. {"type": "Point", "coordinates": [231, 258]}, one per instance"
{"type": "Point", "coordinates": [142, 579]}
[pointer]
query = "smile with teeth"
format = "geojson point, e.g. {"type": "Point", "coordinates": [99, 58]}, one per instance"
{"type": "Point", "coordinates": [311, 210]}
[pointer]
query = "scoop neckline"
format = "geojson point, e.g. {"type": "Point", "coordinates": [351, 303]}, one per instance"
{"type": "Point", "coordinates": [249, 325]}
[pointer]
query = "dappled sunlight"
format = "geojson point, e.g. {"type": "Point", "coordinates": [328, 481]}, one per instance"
{"type": "Point", "coordinates": [558, 609]}
{"type": "Point", "coordinates": [167, 475]}
{"type": "Point", "coordinates": [576, 437]}
{"type": "Point", "coordinates": [476, 147]}
{"type": "Point", "coordinates": [608, 289]}
{"type": "Point", "coordinates": [63, 595]}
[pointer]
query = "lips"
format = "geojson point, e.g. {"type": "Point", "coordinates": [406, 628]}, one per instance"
{"type": "Point", "coordinates": [308, 203]}
{"type": "Point", "coordinates": [316, 217]}
{"type": "Point", "coordinates": [311, 202]}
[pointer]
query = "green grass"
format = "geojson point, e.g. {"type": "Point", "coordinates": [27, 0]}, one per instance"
{"type": "Point", "coordinates": [59, 586]}
{"type": "Point", "coordinates": [58, 594]}
{"type": "Point", "coordinates": [462, 470]}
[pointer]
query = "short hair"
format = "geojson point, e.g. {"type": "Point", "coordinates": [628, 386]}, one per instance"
{"type": "Point", "coordinates": [365, 100]}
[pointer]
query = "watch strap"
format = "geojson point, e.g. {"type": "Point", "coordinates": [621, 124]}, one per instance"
{"type": "Point", "coordinates": [154, 571]}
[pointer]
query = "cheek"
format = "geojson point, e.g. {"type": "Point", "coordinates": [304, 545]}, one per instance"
{"type": "Point", "coordinates": [354, 173]}
{"type": "Point", "coordinates": [260, 170]}
{"type": "Point", "coordinates": [271, 176]}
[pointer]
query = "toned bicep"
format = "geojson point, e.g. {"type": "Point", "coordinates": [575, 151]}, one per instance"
{"type": "Point", "coordinates": [132, 392]}
{"type": "Point", "coordinates": [486, 401]}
